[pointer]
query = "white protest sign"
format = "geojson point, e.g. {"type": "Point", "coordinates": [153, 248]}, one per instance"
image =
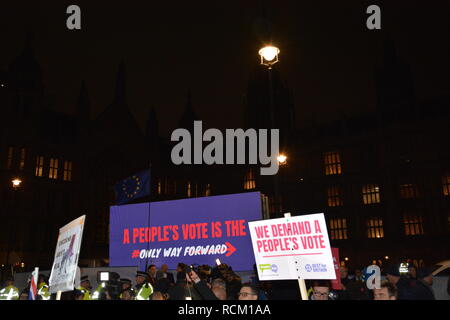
{"type": "Point", "coordinates": [292, 248]}
{"type": "Point", "coordinates": [65, 263]}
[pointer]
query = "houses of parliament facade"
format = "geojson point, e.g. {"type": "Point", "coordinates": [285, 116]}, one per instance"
{"type": "Point", "coordinates": [381, 179]}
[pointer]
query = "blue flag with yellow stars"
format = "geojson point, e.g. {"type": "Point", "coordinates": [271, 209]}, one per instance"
{"type": "Point", "coordinates": [136, 186]}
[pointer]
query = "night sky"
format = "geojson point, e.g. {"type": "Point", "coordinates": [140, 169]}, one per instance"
{"type": "Point", "coordinates": [328, 56]}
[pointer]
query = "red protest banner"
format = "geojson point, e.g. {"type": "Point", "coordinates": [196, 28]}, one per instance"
{"type": "Point", "coordinates": [336, 284]}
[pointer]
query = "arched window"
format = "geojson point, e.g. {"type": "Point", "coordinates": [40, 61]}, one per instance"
{"type": "Point", "coordinates": [249, 180]}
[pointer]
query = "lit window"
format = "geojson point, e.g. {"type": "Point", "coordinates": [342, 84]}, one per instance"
{"type": "Point", "coordinates": [335, 198]}
{"type": "Point", "coordinates": [53, 172]}
{"type": "Point", "coordinates": [249, 180]}
{"type": "Point", "coordinates": [10, 157]}
{"type": "Point", "coordinates": [189, 189]}
{"type": "Point", "coordinates": [208, 190]}
{"type": "Point", "coordinates": [446, 184]}
{"type": "Point", "coordinates": [375, 228]}
{"type": "Point", "coordinates": [408, 191]}
{"type": "Point", "coordinates": [39, 166]}
{"type": "Point", "coordinates": [67, 176]}
{"type": "Point", "coordinates": [413, 225]}
{"type": "Point", "coordinates": [338, 229]}
{"type": "Point", "coordinates": [23, 153]}
{"type": "Point", "coordinates": [332, 163]}
{"type": "Point", "coordinates": [159, 187]}
{"type": "Point", "coordinates": [371, 193]}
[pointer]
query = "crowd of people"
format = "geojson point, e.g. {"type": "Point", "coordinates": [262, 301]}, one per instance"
{"type": "Point", "coordinates": [222, 283]}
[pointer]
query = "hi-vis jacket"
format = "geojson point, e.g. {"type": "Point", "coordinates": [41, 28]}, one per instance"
{"type": "Point", "coordinates": [9, 293]}
{"type": "Point", "coordinates": [86, 292]}
{"type": "Point", "coordinates": [144, 291]}
{"type": "Point", "coordinates": [96, 294]}
{"type": "Point", "coordinates": [43, 291]}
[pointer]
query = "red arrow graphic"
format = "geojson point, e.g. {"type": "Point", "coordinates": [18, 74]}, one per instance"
{"type": "Point", "coordinates": [230, 249]}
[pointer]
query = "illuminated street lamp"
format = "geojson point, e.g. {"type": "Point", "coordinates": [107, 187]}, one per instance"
{"type": "Point", "coordinates": [269, 56]}
{"type": "Point", "coordinates": [282, 159]}
{"type": "Point", "coordinates": [16, 183]}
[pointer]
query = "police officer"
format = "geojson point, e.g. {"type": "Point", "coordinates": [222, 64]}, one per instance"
{"type": "Point", "coordinates": [97, 294]}
{"type": "Point", "coordinates": [43, 289]}
{"type": "Point", "coordinates": [9, 292]}
{"type": "Point", "coordinates": [85, 287]}
{"type": "Point", "coordinates": [143, 288]}
{"type": "Point", "coordinates": [126, 285]}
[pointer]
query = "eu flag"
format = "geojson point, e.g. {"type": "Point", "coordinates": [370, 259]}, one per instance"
{"type": "Point", "coordinates": [136, 186]}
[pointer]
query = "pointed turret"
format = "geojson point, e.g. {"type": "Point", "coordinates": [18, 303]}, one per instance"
{"type": "Point", "coordinates": [25, 72]}
{"type": "Point", "coordinates": [189, 116]}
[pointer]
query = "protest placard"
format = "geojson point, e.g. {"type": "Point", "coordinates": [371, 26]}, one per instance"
{"type": "Point", "coordinates": [194, 231]}
{"type": "Point", "coordinates": [292, 248]}
{"type": "Point", "coordinates": [65, 263]}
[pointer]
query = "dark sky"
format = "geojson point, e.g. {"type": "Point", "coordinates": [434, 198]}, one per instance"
{"type": "Point", "coordinates": [327, 54]}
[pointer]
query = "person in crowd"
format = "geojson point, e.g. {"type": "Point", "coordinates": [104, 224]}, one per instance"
{"type": "Point", "coordinates": [24, 294]}
{"type": "Point", "coordinates": [248, 292]}
{"type": "Point", "coordinates": [220, 293]}
{"type": "Point", "coordinates": [180, 268]}
{"type": "Point", "coordinates": [423, 289]}
{"type": "Point", "coordinates": [403, 284]}
{"type": "Point", "coordinates": [412, 272]}
{"type": "Point", "coordinates": [151, 270]}
{"type": "Point", "coordinates": [320, 290]}
{"type": "Point", "coordinates": [387, 291]}
{"type": "Point", "coordinates": [78, 295]}
{"type": "Point", "coordinates": [143, 288]}
{"type": "Point", "coordinates": [9, 292]}
{"type": "Point", "coordinates": [127, 294]}
{"type": "Point", "coordinates": [218, 282]}
{"type": "Point", "coordinates": [355, 290]}
{"type": "Point", "coordinates": [344, 277]}
{"type": "Point", "coordinates": [43, 292]}
{"type": "Point", "coordinates": [158, 296]}
{"type": "Point", "coordinates": [234, 284]}
{"type": "Point", "coordinates": [165, 268]}
{"type": "Point", "coordinates": [200, 285]}
{"type": "Point", "coordinates": [345, 280]}
{"type": "Point", "coordinates": [183, 289]}
{"type": "Point", "coordinates": [85, 287]}
{"type": "Point", "coordinates": [358, 276]}
{"type": "Point", "coordinates": [206, 271]}
{"type": "Point", "coordinates": [162, 283]}
{"type": "Point", "coordinates": [126, 283]}
{"type": "Point", "coordinates": [219, 288]}
{"type": "Point", "coordinates": [264, 286]}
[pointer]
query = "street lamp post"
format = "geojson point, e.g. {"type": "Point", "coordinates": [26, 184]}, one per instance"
{"type": "Point", "coordinates": [16, 182]}
{"type": "Point", "coordinates": [269, 56]}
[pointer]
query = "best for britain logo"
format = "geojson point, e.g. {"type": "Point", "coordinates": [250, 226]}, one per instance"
{"type": "Point", "coordinates": [317, 267]}
{"type": "Point", "coordinates": [268, 267]}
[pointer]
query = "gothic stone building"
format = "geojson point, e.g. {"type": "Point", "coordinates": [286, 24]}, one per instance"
{"type": "Point", "coordinates": [382, 179]}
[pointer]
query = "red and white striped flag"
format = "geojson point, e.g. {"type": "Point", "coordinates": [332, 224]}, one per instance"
{"type": "Point", "coordinates": [33, 284]}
